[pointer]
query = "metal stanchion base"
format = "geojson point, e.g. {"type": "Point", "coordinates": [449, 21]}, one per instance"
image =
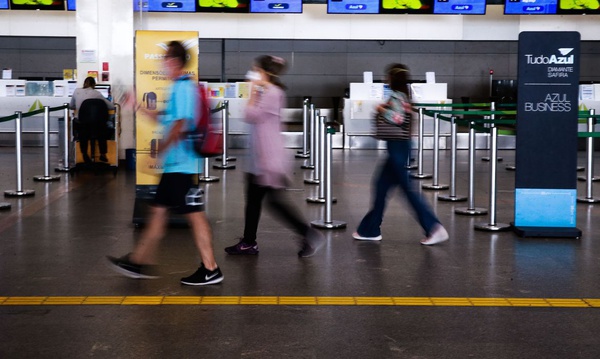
{"type": "Point", "coordinates": [319, 200]}
{"type": "Point", "coordinates": [328, 225]}
{"type": "Point", "coordinates": [471, 211]}
{"type": "Point", "coordinates": [4, 206]}
{"type": "Point", "coordinates": [209, 179]}
{"type": "Point", "coordinates": [584, 179]}
{"type": "Point", "coordinates": [511, 167]}
{"type": "Point", "coordinates": [493, 227]}
{"type": "Point", "coordinates": [302, 155]}
{"type": "Point", "coordinates": [421, 176]}
{"type": "Point", "coordinates": [46, 178]}
{"type": "Point", "coordinates": [435, 186]}
{"type": "Point", "coordinates": [411, 167]}
{"type": "Point", "coordinates": [487, 159]}
{"type": "Point", "coordinates": [224, 167]}
{"type": "Point", "coordinates": [588, 200]}
{"type": "Point", "coordinates": [227, 159]}
{"type": "Point", "coordinates": [449, 198]}
{"type": "Point", "coordinates": [23, 193]}
{"type": "Point", "coordinates": [308, 167]}
{"type": "Point", "coordinates": [64, 169]}
{"type": "Point", "coordinates": [312, 181]}
{"type": "Point", "coordinates": [580, 169]}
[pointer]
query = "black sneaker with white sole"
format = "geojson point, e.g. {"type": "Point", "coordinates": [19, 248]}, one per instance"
{"type": "Point", "coordinates": [204, 276]}
{"type": "Point", "coordinates": [129, 269]}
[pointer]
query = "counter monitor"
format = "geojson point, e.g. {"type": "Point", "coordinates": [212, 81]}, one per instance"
{"type": "Point", "coordinates": [37, 4]}
{"type": "Point", "coordinates": [71, 5]}
{"type": "Point", "coordinates": [352, 6]}
{"type": "Point", "coordinates": [164, 6]}
{"type": "Point", "coordinates": [406, 7]}
{"type": "Point", "coordinates": [530, 7]}
{"type": "Point", "coordinates": [464, 7]}
{"type": "Point", "coordinates": [230, 6]}
{"type": "Point", "coordinates": [578, 7]}
{"type": "Point", "coordinates": [3, 4]}
{"type": "Point", "coordinates": [273, 6]}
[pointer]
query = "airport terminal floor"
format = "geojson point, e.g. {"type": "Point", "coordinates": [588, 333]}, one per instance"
{"type": "Point", "coordinates": [478, 295]}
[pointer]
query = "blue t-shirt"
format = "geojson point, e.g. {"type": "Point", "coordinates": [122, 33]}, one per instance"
{"type": "Point", "coordinates": [180, 156]}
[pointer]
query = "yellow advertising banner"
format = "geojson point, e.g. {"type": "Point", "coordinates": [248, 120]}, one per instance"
{"type": "Point", "coordinates": [151, 84]}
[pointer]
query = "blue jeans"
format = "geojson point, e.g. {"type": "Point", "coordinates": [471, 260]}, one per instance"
{"type": "Point", "coordinates": [394, 173]}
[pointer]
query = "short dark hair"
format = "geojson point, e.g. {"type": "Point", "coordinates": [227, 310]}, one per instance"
{"type": "Point", "coordinates": [175, 49]}
{"type": "Point", "coordinates": [398, 75]}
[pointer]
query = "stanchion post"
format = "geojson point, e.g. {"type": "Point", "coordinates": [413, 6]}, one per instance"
{"type": "Point", "coordinates": [205, 177]}
{"type": "Point", "coordinates": [305, 118]}
{"type": "Point", "coordinates": [66, 141]}
{"type": "Point", "coordinates": [322, 152]}
{"type": "Point", "coordinates": [315, 151]}
{"type": "Point", "coordinates": [493, 225]}
{"type": "Point", "coordinates": [471, 210]}
{"type": "Point", "coordinates": [589, 190]}
{"type": "Point", "coordinates": [46, 176]}
{"type": "Point", "coordinates": [327, 222]}
{"type": "Point", "coordinates": [420, 139]}
{"type": "Point", "coordinates": [313, 114]}
{"type": "Point", "coordinates": [452, 197]}
{"type": "Point", "coordinates": [435, 185]}
{"type": "Point", "coordinates": [225, 125]}
{"type": "Point", "coordinates": [19, 192]}
{"type": "Point", "coordinates": [492, 117]}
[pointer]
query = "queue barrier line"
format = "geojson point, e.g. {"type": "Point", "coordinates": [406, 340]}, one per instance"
{"type": "Point", "coordinates": [32, 113]}
{"type": "Point", "coordinates": [300, 301]}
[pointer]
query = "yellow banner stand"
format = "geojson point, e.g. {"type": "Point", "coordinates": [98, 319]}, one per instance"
{"type": "Point", "coordinates": [151, 84]}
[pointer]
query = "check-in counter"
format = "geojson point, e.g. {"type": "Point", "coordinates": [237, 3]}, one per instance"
{"type": "Point", "coordinates": [32, 127]}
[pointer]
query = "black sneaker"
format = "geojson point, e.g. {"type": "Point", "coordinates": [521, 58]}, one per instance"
{"type": "Point", "coordinates": [204, 276]}
{"type": "Point", "coordinates": [312, 243]}
{"type": "Point", "coordinates": [242, 248]}
{"type": "Point", "coordinates": [129, 269]}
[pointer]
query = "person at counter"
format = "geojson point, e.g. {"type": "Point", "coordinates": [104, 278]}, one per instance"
{"type": "Point", "coordinates": [79, 96]}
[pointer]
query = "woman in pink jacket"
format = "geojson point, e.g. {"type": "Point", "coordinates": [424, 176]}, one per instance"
{"type": "Point", "coordinates": [267, 168]}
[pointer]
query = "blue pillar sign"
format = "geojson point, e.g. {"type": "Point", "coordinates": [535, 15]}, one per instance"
{"type": "Point", "coordinates": [546, 145]}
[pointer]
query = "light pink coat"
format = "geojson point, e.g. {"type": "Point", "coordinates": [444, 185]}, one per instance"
{"type": "Point", "coordinates": [268, 159]}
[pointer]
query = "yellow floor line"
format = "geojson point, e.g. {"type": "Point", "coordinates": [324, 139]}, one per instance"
{"type": "Point", "coordinates": [302, 301]}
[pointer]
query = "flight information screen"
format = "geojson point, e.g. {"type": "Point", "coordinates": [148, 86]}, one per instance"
{"type": "Point", "coordinates": [352, 6]}
{"type": "Point", "coordinates": [530, 7]}
{"type": "Point", "coordinates": [164, 6]}
{"type": "Point", "coordinates": [273, 6]}
{"type": "Point", "coordinates": [464, 7]}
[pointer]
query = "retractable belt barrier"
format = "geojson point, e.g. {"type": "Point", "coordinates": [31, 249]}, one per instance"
{"type": "Point", "coordinates": [18, 118]}
{"type": "Point", "coordinates": [224, 165]}
{"type": "Point", "coordinates": [205, 176]}
{"type": "Point", "coordinates": [328, 130]}
{"type": "Point", "coordinates": [304, 153]}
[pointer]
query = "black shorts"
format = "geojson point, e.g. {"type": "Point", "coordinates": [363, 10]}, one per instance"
{"type": "Point", "coordinates": [177, 192]}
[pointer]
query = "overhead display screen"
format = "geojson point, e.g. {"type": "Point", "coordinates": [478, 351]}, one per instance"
{"type": "Point", "coordinates": [464, 7]}
{"type": "Point", "coordinates": [352, 6]}
{"type": "Point", "coordinates": [3, 4]}
{"type": "Point", "coordinates": [37, 4]}
{"type": "Point", "coordinates": [406, 7]}
{"type": "Point", "coordinates": [164, 6]}
{"type": "Point", "coordinates": [234, 6]}
{"type": "Point", "coordinates": [273, 6]}
{"type": "Point", "coordinates": [71, 5]}
{"type": "Point", "coordinates": [530, 7]}
{"type": "Point", "coordinates": [577, 7]}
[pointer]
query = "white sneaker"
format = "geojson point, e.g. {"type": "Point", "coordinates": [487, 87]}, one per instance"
{"type": "Point", "coordinates": [439, 235]}
{"type": "Point", "coordinates": [357, 236]}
